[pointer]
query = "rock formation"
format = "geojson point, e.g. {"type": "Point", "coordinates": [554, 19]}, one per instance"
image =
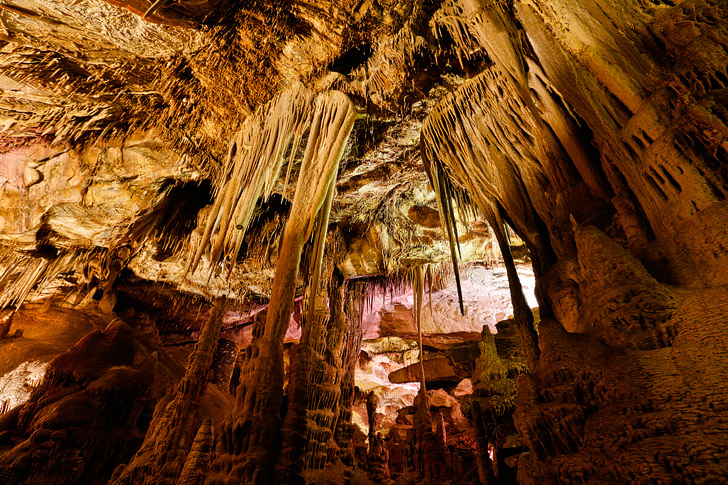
{"type": "Point", "coordinates": [649, 189]}
{"type": "Point", "coordinates": [166, 445]}
{"type": "Point", "coordinates": [243, 242]}
{"type": "Point", "coordinates": [91, 403]}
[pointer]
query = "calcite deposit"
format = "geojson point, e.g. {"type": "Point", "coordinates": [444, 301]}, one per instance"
{"type": "Point", "coordinates": [402, 241]}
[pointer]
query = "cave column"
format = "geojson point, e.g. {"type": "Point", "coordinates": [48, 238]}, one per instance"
{"type": "Point", "coordinates": [251, 443]}
{"type": "Point", "coordinates": [521, 311]}
{"type": "Point", "coordinates": [353, 308]}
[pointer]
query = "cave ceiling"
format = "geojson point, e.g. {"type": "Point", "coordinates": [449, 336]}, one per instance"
{"type": "Point", "coordinates": [114, 109]}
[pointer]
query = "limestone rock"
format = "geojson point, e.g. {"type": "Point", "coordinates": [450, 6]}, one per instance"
{"type": "Point", "coordinates": [31, 177]}
{"type": "Point", "coordinates": [464, 388]}
{"type": "Point", "coordinates": [91, 388]}
{"type": "Point", "coordinates": [440, 398]}
{"type": "Point", "coordinates": [388, 345]}
{"type": "Point", "coordinates": [439, 369]}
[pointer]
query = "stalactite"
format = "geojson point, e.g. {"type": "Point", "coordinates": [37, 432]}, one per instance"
{"type": "Point", "coordinates": [26, 275]}
{"type": "Point", "coordinates": [250, 437]}
{"type": "Point", "coordinates": [554, 132]}
{"type": "Point", "coordinates": [443, 190]}
{"type": "Point", "coordinates": [488, 165]}
{"type": "Point", "coordinates": [254, 162]}
{"type": "Point", "coordinates": [445, 193]}
{"type": "Point", "coordinates": [319, 240]}
{"type": "Point", "coordinates": [380, 78]}
{"type": "Point", "coordinates": [162, 456]}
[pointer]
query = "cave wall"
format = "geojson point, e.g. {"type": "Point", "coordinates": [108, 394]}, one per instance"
{"type": "Point", "coordinates": [599, 134]}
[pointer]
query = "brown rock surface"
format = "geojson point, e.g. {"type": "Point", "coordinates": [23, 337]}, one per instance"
{"type": "Point", "coordinates": [166, 446]}
{"type": "Point", "coordinates": [84, 412]}
{"type": "Point", "coordinates": [440, 369]}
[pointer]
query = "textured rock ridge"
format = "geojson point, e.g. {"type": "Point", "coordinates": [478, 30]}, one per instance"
{"type": "Point", "coordinates": [166, 446]}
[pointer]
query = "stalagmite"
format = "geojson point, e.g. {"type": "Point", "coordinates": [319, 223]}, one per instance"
{"type": "Point", "coordinates": [521, 310]}
{"type": "Point", "coordinates": [351, 342]}
{"type": "Point", "coordinates": [419, 283]}
{"type": "Point", "coordinates": [166, 446]}
{"type": "Point", "coordinates": [197, 465]}
{"type": "Point", "coordinates": [316, 386]}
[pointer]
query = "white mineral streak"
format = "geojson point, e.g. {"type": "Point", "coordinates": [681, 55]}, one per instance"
{"type": "Point", "coordinates": [16, 385]}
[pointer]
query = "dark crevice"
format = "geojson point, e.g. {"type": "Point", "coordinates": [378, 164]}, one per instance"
{"type": "Point", "coordinates": [354, 57]}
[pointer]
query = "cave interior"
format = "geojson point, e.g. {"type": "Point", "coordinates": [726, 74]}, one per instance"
{"type": "Point", "coordinates": [363, 241]}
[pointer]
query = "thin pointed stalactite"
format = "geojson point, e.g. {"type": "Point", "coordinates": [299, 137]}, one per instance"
{"type": "Point", "coordinates": [419, 284]}
{"type": "Point", "coordinates": [430, 277]}
{"type": "Point", "coordinates": [522, 312]}
{"type": "Point", "coordinates": [453, 236]}
{"type": "Point", "coordinates": [213, 216]}
{"type": "Point", "coordinates": [443, 190]}
{"type": "Point", "coordinates": [250, 439]}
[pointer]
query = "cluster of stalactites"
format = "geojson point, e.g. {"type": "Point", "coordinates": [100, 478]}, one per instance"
{"type": "Point", "coordinates": [437, 276]}
{"type": "Point", "coordinates": [268, 141]}
{"type": "Point", "coordinates": [484, 138]}
{"type": "Point", "coordinates": [24, 275]}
